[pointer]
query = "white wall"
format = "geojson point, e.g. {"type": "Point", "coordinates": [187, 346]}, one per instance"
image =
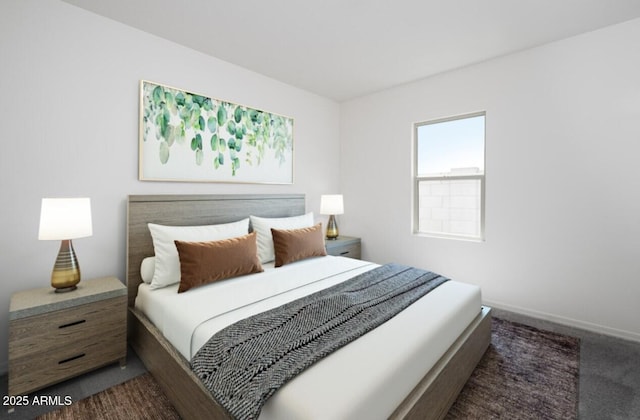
{"type": "Point", "coordinates": [69, 127]}
{"type": "Point", "coordinates": [562, 183]}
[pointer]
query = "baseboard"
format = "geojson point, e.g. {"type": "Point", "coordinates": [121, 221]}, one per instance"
{"type": "Point", "coordinates": [568, 322]}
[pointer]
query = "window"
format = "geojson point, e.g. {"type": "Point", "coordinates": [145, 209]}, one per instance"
{"type": "Point", "coordinates": [449, 177]}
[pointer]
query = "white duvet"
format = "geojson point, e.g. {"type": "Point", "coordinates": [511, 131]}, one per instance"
{"type": "Point", "coordinates": [368, 378]}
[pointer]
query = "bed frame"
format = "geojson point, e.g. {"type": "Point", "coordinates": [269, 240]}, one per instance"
{"type": "Point", "coordinates": [430, 399]}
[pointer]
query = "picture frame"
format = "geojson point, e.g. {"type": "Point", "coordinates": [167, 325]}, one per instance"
{"type": "Point", "coordinates": [189, 137]}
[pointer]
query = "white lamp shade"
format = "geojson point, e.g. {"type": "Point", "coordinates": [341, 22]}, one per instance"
{"type": "Point", "coordinates": [331, 204]}
{"type": "Point", "coordinates": [65, 218]}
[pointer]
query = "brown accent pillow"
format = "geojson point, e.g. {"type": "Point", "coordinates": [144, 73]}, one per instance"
{"type": "Point", "coordinates": [206, 262]}
{"type": "Point", "coordinates": [296, 244]}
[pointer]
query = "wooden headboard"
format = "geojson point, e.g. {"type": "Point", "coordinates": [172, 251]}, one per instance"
{"type": "Point", "coordinates": [192, 210]}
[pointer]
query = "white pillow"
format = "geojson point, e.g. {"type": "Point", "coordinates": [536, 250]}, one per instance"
{"type": "Point", "coordinates": [147, 268]}
{"type": "Point", "coordinates": [167, 267]}
{"type": "Point", "coordinates": [263, 225]}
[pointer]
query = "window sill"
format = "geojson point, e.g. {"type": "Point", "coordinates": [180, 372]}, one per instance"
{"type": "Point", "coordinates": [446, 236]}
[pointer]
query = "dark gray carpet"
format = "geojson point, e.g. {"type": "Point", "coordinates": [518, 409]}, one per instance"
{"type": "Point", "coordinates": [609, 379]}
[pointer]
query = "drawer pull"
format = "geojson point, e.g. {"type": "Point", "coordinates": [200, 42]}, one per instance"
{"type": "Point", "coordinates": [71, 324]}
{"type": "Point", "coordinates": [344, 252]}
{"type": "Point", "coordinates": [71, 358]}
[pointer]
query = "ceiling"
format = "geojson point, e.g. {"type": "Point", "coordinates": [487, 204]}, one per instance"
{"type": "Point", "coordinates": [342, 49]}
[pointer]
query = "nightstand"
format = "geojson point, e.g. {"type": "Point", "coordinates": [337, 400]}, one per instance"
{"type": "Point", "coordinates": [343, 246]}
{"type": "Point", "coordinates": [56, 336]}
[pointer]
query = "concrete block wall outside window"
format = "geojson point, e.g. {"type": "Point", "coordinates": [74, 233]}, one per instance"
{"type": "Point", "coordinates": [450, 206]}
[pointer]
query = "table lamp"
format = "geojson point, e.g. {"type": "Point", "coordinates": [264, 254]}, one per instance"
{"type": "Point", "coordinates": [65, 219]}
{"type": "Point", "coordinates": [332, 204]}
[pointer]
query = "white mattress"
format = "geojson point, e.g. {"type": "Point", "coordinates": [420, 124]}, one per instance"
{"type": "Point", "coordinates": [368, 378]}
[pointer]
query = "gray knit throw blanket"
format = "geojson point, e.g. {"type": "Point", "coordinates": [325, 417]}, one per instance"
{"type": "Point", "coordinates": [245, 363]}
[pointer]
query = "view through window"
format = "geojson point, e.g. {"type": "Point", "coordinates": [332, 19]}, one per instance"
{"type": "Point", "coordinates": [449, 177]}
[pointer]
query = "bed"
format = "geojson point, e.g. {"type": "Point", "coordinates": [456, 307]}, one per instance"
{"type": "Point", "coordinates": [425, 396]}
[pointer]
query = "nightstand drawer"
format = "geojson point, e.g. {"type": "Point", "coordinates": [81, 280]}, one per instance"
{"type": "Point", "coordinates": [344, 246]}
{"type": "Point", "coordinates": [42, 333]}
{"type": "Point", "coordinates": [347, 250]}
{"type": "Point", "coordinates": [27, 373]}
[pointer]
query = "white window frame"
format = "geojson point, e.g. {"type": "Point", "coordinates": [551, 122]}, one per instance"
{"type": "Point", "coordinates": [448, 177]}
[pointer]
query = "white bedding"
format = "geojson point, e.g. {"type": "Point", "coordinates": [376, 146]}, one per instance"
{"type": "Point", "coordinates": [368, 378]}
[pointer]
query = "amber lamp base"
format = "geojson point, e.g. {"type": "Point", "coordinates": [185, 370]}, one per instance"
{"type": "Point", "coordinates": [332, 228]}
{"type": "Point", "coordinates": [66, 271]}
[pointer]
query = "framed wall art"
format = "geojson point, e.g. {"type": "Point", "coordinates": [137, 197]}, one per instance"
{"type": "Point", "coordinates": [186, 136]}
